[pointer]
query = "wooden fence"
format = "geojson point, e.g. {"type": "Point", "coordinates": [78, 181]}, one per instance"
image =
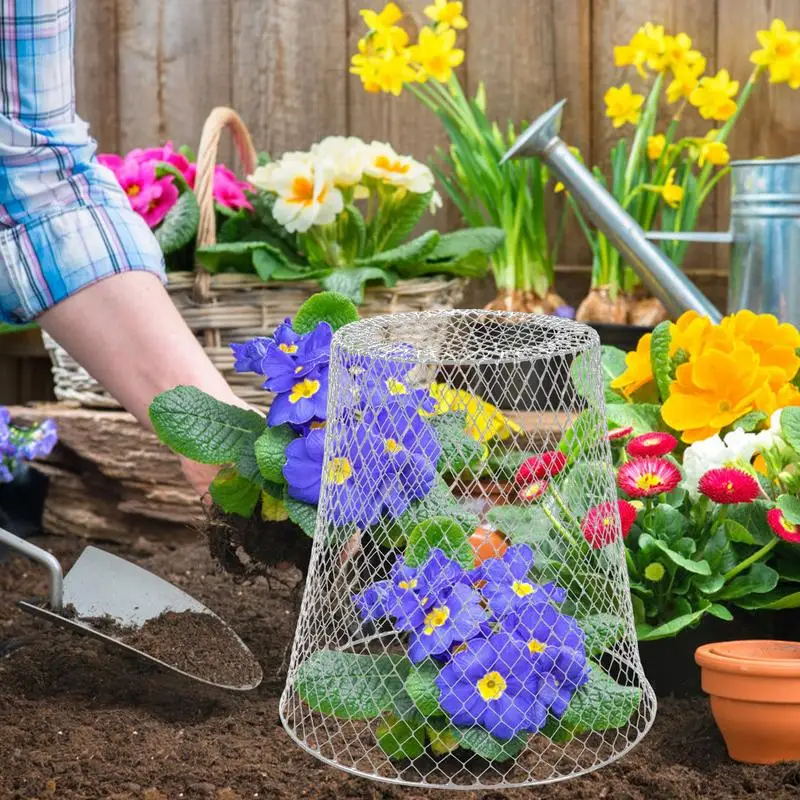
{"type": "Point", "coordinates": [150, 70]}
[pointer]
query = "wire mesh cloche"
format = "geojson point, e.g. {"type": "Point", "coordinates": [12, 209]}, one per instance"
{"type": "Point", "coordinates": [467, 621]}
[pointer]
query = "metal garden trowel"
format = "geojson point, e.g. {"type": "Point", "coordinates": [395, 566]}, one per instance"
{"type": "Point", "coordinates": [107, 596]}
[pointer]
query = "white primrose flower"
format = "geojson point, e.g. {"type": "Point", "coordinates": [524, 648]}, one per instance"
{"type": "Point", "coordinates": [348, 154]}
{"type": "Point", "coordinates": [262, 176]}
{"type": "Point", "coordinates": [405, 172]}
{"type": "Point", "coordinates": [735, 450]}
{"type": "Point", "coordinates": [436, 203]}
{"type": "Point", "coordinates": [306, 194]}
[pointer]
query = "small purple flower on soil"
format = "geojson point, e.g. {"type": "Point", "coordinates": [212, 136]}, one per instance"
{"type": "Point", "coordinates": [454, 618]}
{"type": "Point", "coordinates": [492, 682]}
{"type": "Point", "coordinates": [306, 399]}
{"type": "Point", "coordinates": [557, 644]}
{"type": "Point", "coordinates": [507, 581]}
{"type": "Point", "coordinates": [303, 467]}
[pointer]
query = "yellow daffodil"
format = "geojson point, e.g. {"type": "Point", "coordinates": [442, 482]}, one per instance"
{"type": "Point", "coordinates": [685, 78]}
{"type": "Point", "coordinates": [713, 97]}
{"type": "Point", "coordinates": [714, 152]}
{"type": "Point", "coordinates": [559, 187]}
{"type": "Point", "coordinates": [779, 46]}
{"type": "Point", "coordinates": [447, 14]}
{"type": "Point", "coordinates": [484, 421]}
{"type": "Point", "coordinates": [381, 21]}
{"type": "Point", "coordinates": [622, 105]}
{"type": "Point", "coordinates": [678, 53]}
{"type": "Point", "coordinates": [306, 194]}
{"type": "Point", "coordinates": [383, 163]}
{"type": "Point", "coordinates": [794, 72]}
{"type": "Point", "coordinates": [712, 391]}
{"type": "Point", "coordinates": [670, 191]}
{"type": "Point", "coordinates": [436, 54]}
{"type": "Point", "coordinates": [655, 146]}
{"type": "Point", "coordinates": [646, 48]}
{"type": "Point", "coordinates": [384, 71]}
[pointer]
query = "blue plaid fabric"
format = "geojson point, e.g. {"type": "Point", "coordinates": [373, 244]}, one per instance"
{"type": "Point", "coordinates": [65, 222]}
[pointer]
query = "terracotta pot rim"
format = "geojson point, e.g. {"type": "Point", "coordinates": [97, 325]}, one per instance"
{"type": "Point", "coordinates": [752, 657]}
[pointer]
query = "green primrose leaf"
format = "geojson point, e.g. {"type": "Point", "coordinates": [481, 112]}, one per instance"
{"type": "Point", "coordinates": [270, 452]}
{"type": "Point", "coordinates": [179, 226]}
{"type": "Point", "coordinates": [400, 739]}
{"type": "Point", "coordinates": [351, 686]}
{"type": "Point", "coordinates": [350, 281]}
{"type": "Point", "coordinates": [330, 307]}
{"type": "Point", "coordinates": [642, 417]}
{"type": "Point", "coordinates": [602, 632]}
{"type": "Point", "coordinates": [790, 506]}
{"type": "Point", "coordinates": [202, 428]}
{"type": "Point", "coordinates": [443, 533]}
{"type": "Point", "coordinates": [301, 514]}
{"type": "Point", "coordinates": [659, 357]}
{"type": "Point", "coordinates": [790, 427]}
{"type": "Point", "coordinates": [601, 704]}
{"type": "Point", "coordinates": [459, 449]}
{"type": "Point", "coordinates": [482, 743]}
{"type": "Point", "coordinates": [422, 689]}
{"type": "Point", "coordinates": [233, 493]}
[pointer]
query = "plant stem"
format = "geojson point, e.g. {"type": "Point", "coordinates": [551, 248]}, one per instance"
{"type": "Point", "coordinates": [748, 562]}
{"type": "Point", "coordinates": [558, 526]}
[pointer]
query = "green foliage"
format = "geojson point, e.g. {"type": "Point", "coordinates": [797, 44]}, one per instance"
{"type": "Point", "coordinates": [464, 253]}
{"type": "Point", "coordinates": [179, 226]}
{"type": "Point", "coordinates": [521, 524]}
{"type": "Point", "coordinates": [778, 600]}
{"type": "Point", "coordinates": [503, 463]}
{"type": "Point", "coordinates": [302, 514]}
{"type": "Point", "coordinates": [459, 449]}
{"type": "Point", "coordinates": [350, 281]}
{"type": "Point", "coordinates": [422, 689]}
{"type": "Point", "coordinates": [330, 307]}
{"type": "Point", "coordinates": [601, 704]}
{"type": "Point", "coordinates": [643, 417]}
{"type": "Point", "coordinates": [202, 428]}
{"type": "Point", "coordinates": [234, 493]}
{"type": "Point", "coordinates": [400, 739]}
{"type": "Point", "coordinates": [660, 358]}
{"type": "Point", "coordinates": [612, 365]}
{"type": "Point", "coordinates": [790, 506]}
{"type": "Point", "coordinates": [409, 253]}
{"type": "Point", "coordinates": [602, 632]}
{"type": "Point", "coordinates": [351, 686]}
{"type": "Point", "coordinates": [482, 743]}
{"type": "Point", "coordinates": [403, 220]}
{"type": "Point", "coordinates": [790, 427]}
{"type": "Point", "coordinates": [750, 422]}
{"type": "Point", "coordinates": [270, 452]}
{"type": "Point", "coordinates": [441, 532]}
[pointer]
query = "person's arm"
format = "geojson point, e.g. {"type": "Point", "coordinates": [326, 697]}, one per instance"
{"type": "Point", "coordinates": [73, 254]}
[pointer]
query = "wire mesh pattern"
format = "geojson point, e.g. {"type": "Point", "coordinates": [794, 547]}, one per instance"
{"type": "Point", "coordinates": [467, 620]}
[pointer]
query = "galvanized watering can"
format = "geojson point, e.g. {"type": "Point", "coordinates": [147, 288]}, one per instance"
{"type": "Point", "coordinates": [764, 272]}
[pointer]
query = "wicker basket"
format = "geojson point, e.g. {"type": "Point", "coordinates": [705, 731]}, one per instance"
{"type": "Point", "coordinates": [228, 307]}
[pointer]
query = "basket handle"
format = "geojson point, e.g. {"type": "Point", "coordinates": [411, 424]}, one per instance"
{"type": "Point", "coordinates": [219, 119]}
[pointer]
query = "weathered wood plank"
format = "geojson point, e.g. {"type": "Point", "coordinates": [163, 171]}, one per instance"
{"type": "Point", "coordinates": [174, 67]}
{"type": "Point", "coordinates": [96, 70]}
{"type": "Point", "coordinates": [289, 70]}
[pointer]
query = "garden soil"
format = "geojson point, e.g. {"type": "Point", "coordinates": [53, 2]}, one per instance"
{"type": "Point", "coordinates": [78, 720]}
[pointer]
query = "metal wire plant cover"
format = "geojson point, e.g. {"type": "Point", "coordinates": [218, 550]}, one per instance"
{"type": "Point", "coordinates": [467, 621]}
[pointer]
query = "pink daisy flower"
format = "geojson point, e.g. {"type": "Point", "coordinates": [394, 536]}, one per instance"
{"type": "Point", "coordinates": [782, 527]}
{"type": "Point", "coordinates": [648, 476]}
{"type": "Point", "coordinates": [652, 444]}
{"type": "Point", "coordinates": [533, 491]}
{"type": "Point", "coordinates": [537, 468]}
{"type": "Point", "coordinates": [619, 433]}
{"type": "Point", "coordinates": [728, 485]}
{"type": "Point", "coordinates": [599, 527]}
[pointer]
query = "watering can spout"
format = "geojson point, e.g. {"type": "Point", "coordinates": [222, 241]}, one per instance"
{"type": "Point", "coordinates": [661, 277]}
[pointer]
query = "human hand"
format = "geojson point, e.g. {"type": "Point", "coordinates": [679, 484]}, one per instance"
{"type": "Point", "coordinates": [199, 476]}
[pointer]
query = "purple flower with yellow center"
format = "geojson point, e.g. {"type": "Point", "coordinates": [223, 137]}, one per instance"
{"type": "Point", "coordinates": [306, 399]}
{"type": "Point", "coordinates": [557, 645]}
{"type": "Point", "coordinates": [385, 381]}
{"type": "Point", "coordinates": [455, 617]}
{"type": "Point", "coordinates": [314, 348]}
{"type": "Point", "coordinates": [492, 682]}
{"type": "Point", "coordinates": [248, 356]}
{"type": "Point", "coordinates": [303, 467]}
{"type": "Point", "coordinates": [371, 603]}
{"type": "Point", "coordinates": [507, 582]}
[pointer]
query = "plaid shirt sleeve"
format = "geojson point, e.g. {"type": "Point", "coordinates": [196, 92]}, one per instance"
{"type": "Point", "coordinates": [65, 223]}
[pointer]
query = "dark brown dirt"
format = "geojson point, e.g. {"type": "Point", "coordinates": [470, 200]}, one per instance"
{"type": "Point", "coordinates": [79, 721]}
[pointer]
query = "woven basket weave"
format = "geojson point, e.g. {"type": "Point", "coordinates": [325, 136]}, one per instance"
{"type": "Point", "coordinates": [229, 307]}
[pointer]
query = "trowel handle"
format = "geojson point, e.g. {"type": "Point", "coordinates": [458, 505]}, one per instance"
{"type": "Point", "coordinates": [44, 558]}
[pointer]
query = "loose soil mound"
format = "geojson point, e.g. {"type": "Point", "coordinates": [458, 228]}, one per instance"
{"type": "Point", "coordinates": [80, 721]}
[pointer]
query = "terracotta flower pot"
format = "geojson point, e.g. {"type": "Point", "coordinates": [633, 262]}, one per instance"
{"type": "Point", "coordinates": [755, 697]}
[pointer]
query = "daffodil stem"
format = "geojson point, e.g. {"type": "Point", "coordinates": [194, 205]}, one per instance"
{"type": "Point", "coordinates": [748, 562]}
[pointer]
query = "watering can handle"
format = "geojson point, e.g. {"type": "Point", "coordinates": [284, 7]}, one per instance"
{"type": "Point", "coordinates": [705, 237]}
{"type": "Point", "coordinates": [44, 558]}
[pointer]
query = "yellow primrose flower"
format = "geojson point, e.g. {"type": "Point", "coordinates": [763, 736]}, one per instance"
{"type": "Point", "coordinates": [638, 368]}
{"type": "Point", "coordinates": [714, 152]}
{"type": "Point", "coordinates": [685, 78]}
{"type": "Point", "coordinates": [779, 47]}
{"type": "Point", "coordinates": [484, 421]}
{"type": "Point", "coordinates": [622, 105]}
{"type": "Point", "coordinates": [383, 163]}
{"type": "Point", "coordinates": [381, 21]}
{"type": "Point", "coordinates": [646, 48]}
{"type": "Point", "coordinates": [713, 97]}
{"type": "Point", "coordinates": [436, 54]}
{"type": "Point", "coordinates": [447, 14]}
{"type": "Point", "coordinates": [305, 191]}
{"type": "Point", "coordinates": [655, 146]}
